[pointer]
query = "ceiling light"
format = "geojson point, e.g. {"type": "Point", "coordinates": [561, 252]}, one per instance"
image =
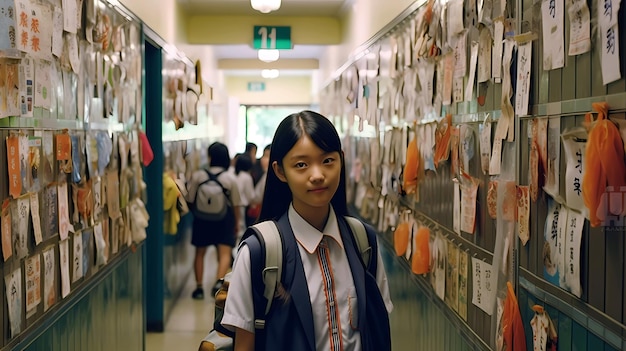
{"type": "Point", "coordinates": [268, 55]}
{"type": "Point", "coordinates": [269, 73]}
{"type": "Point", "coordinates": [265, 6]}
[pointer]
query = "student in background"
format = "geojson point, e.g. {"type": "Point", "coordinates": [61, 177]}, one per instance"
{"type": "Point", "coordinates": [246, 189]}
{"type": "Point", "coordinates": [254, 207]}
{"type": "Point", "coordinates": [306, 184]}
{"type": "Point", "coordinates": [222, 233]}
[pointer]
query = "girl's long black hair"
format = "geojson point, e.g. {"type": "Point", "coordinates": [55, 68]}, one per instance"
{"type": "Point", "coordinates": [277, 195]}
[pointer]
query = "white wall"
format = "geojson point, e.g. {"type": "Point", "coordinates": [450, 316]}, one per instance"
{"type": "Point", "coordinates": [361, 21]}
{"type": "Point", "coordinates": [288, 90]}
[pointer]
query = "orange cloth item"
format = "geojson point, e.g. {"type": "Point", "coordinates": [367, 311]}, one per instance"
{"type": "Point", "coordinates": [512, 325]}
{"type": "Point", "coordinates": [605, 170]}
{"type": "Point", "coordinates": [412, 167]}
{"type": "Point", "coordinates": [421, 256]}
{"type": "Point", "coordinates": [401, 238]}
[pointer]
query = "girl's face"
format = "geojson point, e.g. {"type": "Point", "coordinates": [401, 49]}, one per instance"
{"type": "Point", "coordinates": [311, 173]}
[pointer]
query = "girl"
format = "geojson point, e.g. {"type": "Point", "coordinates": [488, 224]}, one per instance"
{"type": "Point", "coordinates": [222, 233]}
{"type": "Point", "coordinates": [306, 185]}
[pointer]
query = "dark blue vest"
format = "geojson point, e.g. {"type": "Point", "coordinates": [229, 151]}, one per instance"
{"type": "Point", "coordinates": [289, 323]}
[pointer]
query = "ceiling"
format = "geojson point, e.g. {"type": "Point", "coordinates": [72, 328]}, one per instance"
{"type": "Point", "coordinates": [329, 8]}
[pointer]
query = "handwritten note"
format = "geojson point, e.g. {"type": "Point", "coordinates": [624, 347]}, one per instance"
{"type": "Point", "coordinates": [579, 28]}
{"type": "Point", "coordinates": [64, 217]}
{"type": "Point", "coordinates": [469, 189]}
{"type": "Point", "coordinates": [77, 262]}
{"type": "Point", "coordinates": [65, 267]}
{"type": "Point", "coordinates": [34, 210]}
{"type": "Point", "coordinates": [609, 39]}
{"type": "Point", "coordinates": [7, 247]}
{"type": "Point", "coordinates": [552, 14]}
{"type": "Point", "coordinates": [522, 90]}
{"type": "Point", "coordinates": [34, 26]}
{"type": "Point", "coordinates": [33, 282]}
{"type": "Point", "coordinates": [483, 289]}
{"type": "Point", "coordinates": [575, 226]}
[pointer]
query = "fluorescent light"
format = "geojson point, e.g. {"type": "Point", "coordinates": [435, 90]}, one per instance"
{"type": "Point", "coordinates": [265, 6]}
{"type": "Point", "coordinates": [268, 55]}
{"type": "Point", "coordinates": [270, 73]}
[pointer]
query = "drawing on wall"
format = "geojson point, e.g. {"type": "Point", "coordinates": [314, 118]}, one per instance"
{"type": "Point", "coordinates": [50, 212]}
{"type": "Point", "coordinates": [77, 262]}
{"type": "Point", "coordinates": [33, 283]}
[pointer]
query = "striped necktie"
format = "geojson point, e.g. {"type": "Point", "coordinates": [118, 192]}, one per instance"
{"type": "Point", "coordinates": [332, 309]}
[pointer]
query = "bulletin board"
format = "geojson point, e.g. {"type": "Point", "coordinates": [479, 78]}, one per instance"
{"type": "Point", "coordinates": [494, 94]}
{"type": "Point", "coordinates": [70, 116]}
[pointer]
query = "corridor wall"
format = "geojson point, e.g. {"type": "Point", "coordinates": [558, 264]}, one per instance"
{"type": "Point", "coordinates": [73, 216]}
{"type": "Point", "coordinates": [403, 87]}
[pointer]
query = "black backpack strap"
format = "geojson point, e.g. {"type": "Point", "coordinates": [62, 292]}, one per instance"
{"type": "Point", "coordinates": [213, 177]}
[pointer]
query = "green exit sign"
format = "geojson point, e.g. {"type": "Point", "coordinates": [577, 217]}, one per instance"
{"type": "Point", "coordinates": [256, 86]}
{"type": "Point", "coordinates": [272, 37]}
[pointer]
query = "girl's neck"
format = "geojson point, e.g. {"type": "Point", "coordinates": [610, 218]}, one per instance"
{"type": "Point", "coordinates": [317, 217]}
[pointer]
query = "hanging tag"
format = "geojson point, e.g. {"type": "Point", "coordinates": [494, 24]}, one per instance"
{"type": "Point", "coordinates": [63, 206]}
{"type": "Point", "coordinates": [20, 211]}
{"type": "Point", "coordinates": [522, 89]}
{"type": "Point", "coordinates": [49, 270]}
{"type": "Point", "coordinates": [492, 199]}
{"type": "Point", "coordinates": [496, 157]}
{"type": "Point", "coordinates": [456, 218]}
{"type": "Point", "coordinates": [77, 262]}
{"type": "Point", "coordinates": [523, 213]}
{"type": "Point", "coordinates": [32, 266]}
{"type": "Point", "coordinates": [65, 267]}
{"type": "Point", "coordinates": [485, 145]}
{"type": "Point", "coordinates": [13, 284]}
{"type": "Point", "coordinates": [469, 88]}
{"type": "Point", "coordinates": [463, 266]}
{"type": "Point", "coordinates": [452, 276]}
{"type": "Point", "coordinates": [64, 147]}
{"type": "Point", "coordinates": [469, 188]}
{"type": "Point", "coordinates": [13, 163]}
{"type": "Point", "coordinates": [576, 222]}
{"type": "Point", "coordinates": [7, 247]}
{"type": "Point", "coordinates": [34, 210]}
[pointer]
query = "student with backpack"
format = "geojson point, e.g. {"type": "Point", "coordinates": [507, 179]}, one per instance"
{"type": "Point", "coordinates": [213, 197]}
{"type": "Point", "coordinates": [327, 296]}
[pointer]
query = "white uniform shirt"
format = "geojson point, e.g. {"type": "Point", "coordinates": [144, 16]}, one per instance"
{"type": "Point", "coordinates": [239, 311]}
{"type": "Point", "coordinates": [246, 187]}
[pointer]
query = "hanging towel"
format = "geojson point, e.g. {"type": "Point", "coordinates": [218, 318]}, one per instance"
{"type": "Point", "coordinates": [605, 171]}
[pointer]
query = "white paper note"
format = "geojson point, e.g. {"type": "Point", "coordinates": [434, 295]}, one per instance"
{"type": "Point", "coordinates": [498, 44]}
{"type": "Point", "coordinates": [33, 282]}
{"type": "Point", "coordinates": [522, 90]}
{"type": "Point", "coordinates": [64, 218]}
{"type": "Point", "coordinates": [574, 237]}
{"type": "Point", "coordinates": [469, 88]}
{"type": "Point", "coordinates": [575, 161]}
{"type": "Point", "coordinates": [34, 210]}
{"type": "Point", "coordinates": [484, 56]}
{"type": "Point", "coordinates": [7, 24]}
{"type": "Point", "coordinates": [49, 295]}
{"type": "Point", "coordinates": [57, 32]}
{"type": "Point", "coordinates": [609, 39]}
{"type": "Point", "coordinates": [552, 14]}
{"type": "Point", "coordinates": [579, 28]}
{"type": "Point", "coordinates": [70, 23]}
{"type": "Point", "coordinates": [65, 267]}
{"type": "Point", "coordinates": [460, 56]}
{"type": "Point", "coordinates": [43, 86]}
{"type": "Point", "coordinates": [77, 262]}
{"type": "Point", "coordinates": [483, 289]}
{"type": "Point", "coordinates": [13, 284]}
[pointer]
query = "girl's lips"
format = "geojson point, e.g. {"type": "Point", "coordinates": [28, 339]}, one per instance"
{"type": "Point", "coordinates": [317, 190]}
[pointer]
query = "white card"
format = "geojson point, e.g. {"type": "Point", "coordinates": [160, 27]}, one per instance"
{"type": "Point", "coordinates": [552, 14]}
{"type": "Point", "coordinates": [579, 28]}
{"type": "Point", "coordinates": [469, 88]}
{"type": "Point", "coordinates": [65, 267]}
{"type": "Point", "coordinates": [522, 90]}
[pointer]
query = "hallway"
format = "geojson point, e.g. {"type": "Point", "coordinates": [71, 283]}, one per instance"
{"type": "Point", "coordinates": [189, 322]}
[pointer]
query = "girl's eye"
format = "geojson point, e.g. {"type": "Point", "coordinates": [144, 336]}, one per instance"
{"type": "Point", "coordinates": [300, 165]}
{"type": "Point", "coordinates": [329, 160]}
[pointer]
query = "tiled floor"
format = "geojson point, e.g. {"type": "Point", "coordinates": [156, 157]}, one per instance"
{"type": "Point", "coordinates": [189, 322]}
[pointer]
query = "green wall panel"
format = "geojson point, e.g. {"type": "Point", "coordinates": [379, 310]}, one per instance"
{"type": "Point", "coordinates": [109, 316]}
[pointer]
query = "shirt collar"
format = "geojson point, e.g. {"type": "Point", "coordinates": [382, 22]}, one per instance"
{"type": "Point", "coordinates": [308, 236]}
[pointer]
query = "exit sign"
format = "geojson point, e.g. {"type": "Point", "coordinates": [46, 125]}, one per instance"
{"type": "Point", "coordinates": [272, 37]}
{"type": "Point", "coordinates": [256, 86]}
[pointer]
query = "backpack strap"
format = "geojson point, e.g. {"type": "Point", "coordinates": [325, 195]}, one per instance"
{"type": "Point", "coordinates": [366, 242]}
{"type": "Point", "coordinates": [270, 239]}
{"type": "Point", "coordinates": [213, 177]}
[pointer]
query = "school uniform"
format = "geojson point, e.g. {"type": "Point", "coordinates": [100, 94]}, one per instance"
{"type": "Point", "coordinates": [207, 233]}
{"type": "Point", "coordinates": [328, 277]}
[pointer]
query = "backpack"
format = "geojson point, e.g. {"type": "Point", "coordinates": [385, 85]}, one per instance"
{"type": "Point", "coordinates": [212, 199]}
{"type": "Point", "coordinates": [220, 338]}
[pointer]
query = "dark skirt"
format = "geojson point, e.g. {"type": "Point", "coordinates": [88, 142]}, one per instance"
{"type": "Point", "coordinates": [207, 233]}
